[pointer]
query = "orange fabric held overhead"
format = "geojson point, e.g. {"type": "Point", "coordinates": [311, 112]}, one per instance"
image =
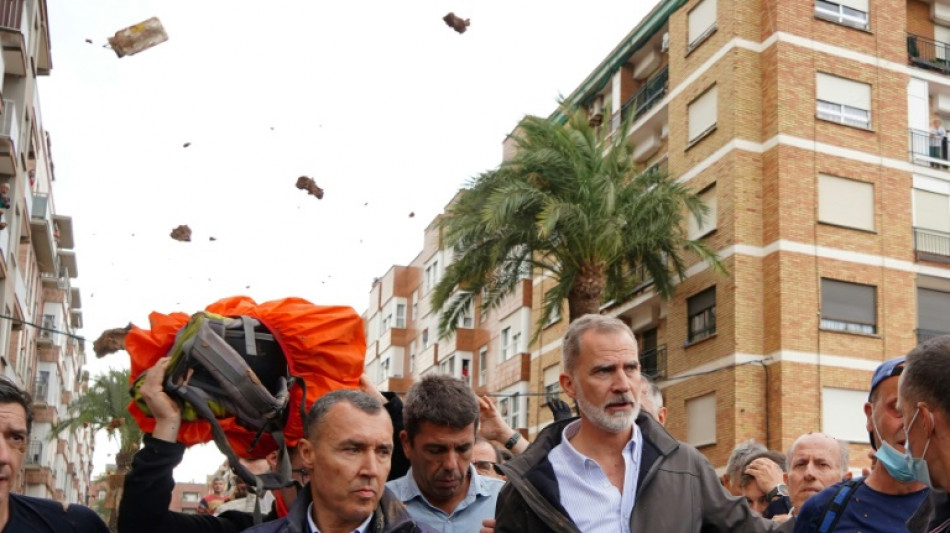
{"type": "Point", "coordinates": [325, 345]}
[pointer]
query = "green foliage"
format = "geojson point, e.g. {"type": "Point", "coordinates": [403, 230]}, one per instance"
{"type": "Point", "coordinates": [572, 203]}
{"type": "Point", "coordinates": [103, 406]}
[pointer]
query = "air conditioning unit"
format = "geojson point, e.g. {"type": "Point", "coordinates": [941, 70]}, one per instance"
{"type": "Point", "coordinates": [665, 42]}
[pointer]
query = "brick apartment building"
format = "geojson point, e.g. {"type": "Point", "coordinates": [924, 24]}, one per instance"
{"type": "Point", "coordinates": [39, 308]}
{"type": "Point", "coordinates": [805, 127]}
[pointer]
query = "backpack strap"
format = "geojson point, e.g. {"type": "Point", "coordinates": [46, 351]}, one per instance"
{"type": "Point", "coordinates": [835, 508]}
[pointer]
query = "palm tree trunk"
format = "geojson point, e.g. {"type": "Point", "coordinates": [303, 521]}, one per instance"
{"type": "Point", "coordinates": [588, 291]}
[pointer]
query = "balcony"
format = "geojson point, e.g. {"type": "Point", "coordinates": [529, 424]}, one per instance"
{"type": "Point", "coordinates": [928, 53]}
{"type": "Point", "coordinates": [9, 137]}
{"type": "Point", "coordinates": [653, 362]}
{"type": "Point", "coordinates": [44, 240]}
{"type": "Point", "coordinates": [927, 151]}
{"type": "Point", "coordinates": [648, 96]}
{"type": "Point", "coordinates": [41, 390]}
{"type": "Point", "coordinates": [932, 245]}
{"type": "Point", "coordinates": [14, 36]}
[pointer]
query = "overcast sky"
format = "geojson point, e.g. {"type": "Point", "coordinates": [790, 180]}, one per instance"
{"type": "Point", "coordinates": [386, 107]}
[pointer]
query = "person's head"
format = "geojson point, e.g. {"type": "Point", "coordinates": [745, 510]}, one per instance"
{"type": "Point", "coordinates": [883, 419]}
{"type": "Point", "coordinates": [4, 189]}
{"type": "Point", "coordinates": [924, 402]}
{"type": "Point", "coordinates": [441, 418]}
{"type": "Point", "coordinates": [485, 456]}
{"type": "Point", "coordinates": [218, 486]}
{"type": "Point", "coordinates": [738, 459]}
{"type": "Point", "coordinates": [815, 461]}
{"type": "Point", "coordinates": [16, 421]}
{"type": "Point", "coordinates": [602, 372]}
{"type": "Point", "coordinates": [349, 442]}
{"type": "Point", "coordinates": [748, 486]}
{"type": "Point", "coordinates": [651, 397]}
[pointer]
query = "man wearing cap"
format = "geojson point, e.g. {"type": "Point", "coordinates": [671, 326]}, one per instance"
{"type": "Point", "coordinates": [885, 499]}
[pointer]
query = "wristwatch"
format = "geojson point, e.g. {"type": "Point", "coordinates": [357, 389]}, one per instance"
{"type": "Point", "coordinates": [780, 490]}
{"type": "Point", "coordinates": [515, 437]}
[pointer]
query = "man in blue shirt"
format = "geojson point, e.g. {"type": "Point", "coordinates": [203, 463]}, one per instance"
{"type": "Point", "coordinates": [442, 489]}
{"type": "Point", "coordinates": [883, 501]}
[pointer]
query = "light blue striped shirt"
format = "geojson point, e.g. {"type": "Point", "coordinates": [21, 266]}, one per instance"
{"type": "Point", "coordinates": [588, 496]}
{"type": "Point", "coordinates": [479, 503]}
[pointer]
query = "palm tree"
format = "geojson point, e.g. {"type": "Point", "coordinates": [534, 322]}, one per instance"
{"type": "Point", "coordinates": [573, 203]}
{"type": "Point", "coordinates": [103, 407]}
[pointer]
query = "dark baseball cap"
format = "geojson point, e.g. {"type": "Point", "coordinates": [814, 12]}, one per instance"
{"type": "Point", "coordinates": [888, 369]}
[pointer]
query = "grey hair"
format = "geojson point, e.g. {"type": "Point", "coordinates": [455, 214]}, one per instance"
{"type": "Point", "coordinates": [740, 458]}
{"type": "Point", "coordinates": [653, 390]}
{"type": "Point", "coordinates": [774, 456]}
{"type": "Point", "coordinates": [927, 372]}
{"type": "Point", "coordinates": [571, 346]}
{"type": "Point", "coordinates": [844, 451]}
{"type": "Point", "coordinates": [441, 400]}
{"type": "Point", "coordinates": [362, 401]}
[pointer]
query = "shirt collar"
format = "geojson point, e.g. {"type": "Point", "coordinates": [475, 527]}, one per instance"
{"type": "Point", "coordinates": [477, 487]}
{"type": "Point", "coordinates": [578, 458]}
{"type": "Point", "coordinates": [362, 528]}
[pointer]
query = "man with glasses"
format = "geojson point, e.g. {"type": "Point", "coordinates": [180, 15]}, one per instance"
{"type": "Point", "coordinates": [485, 456]}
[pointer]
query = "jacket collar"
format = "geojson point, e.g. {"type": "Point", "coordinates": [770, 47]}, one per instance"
{"type": "Point", "coordinates": [388, 514]}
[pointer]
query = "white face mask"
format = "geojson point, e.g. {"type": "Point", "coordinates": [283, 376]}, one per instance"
{"type": "Point", "coordinates": [918, 466]}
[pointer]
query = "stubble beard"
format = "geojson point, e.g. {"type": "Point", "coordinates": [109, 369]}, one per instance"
{"type": "Point", "coordinates": [614, 423]}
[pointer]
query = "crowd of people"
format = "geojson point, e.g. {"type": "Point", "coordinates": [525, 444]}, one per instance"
{"type": "Point", "coordinates": [444, 460]}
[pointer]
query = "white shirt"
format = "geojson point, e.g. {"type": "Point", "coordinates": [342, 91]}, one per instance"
{"type": "Point", "coordinates": [586, 493]}
{"type": "Point", "coordinates": [313, 527]}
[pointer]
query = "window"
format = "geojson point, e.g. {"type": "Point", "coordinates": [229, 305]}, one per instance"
{"type": "Point", "coordinates": [552, 385]}
{"type": "Point", "coordinates": [933, 308]}
{"type": "Point", "coordinates": [483, 365]}
{"type": "Point", "coordinates": [506, 343]}
{"type": "Point", "coordinates": [447, 366]}
{"type": "Point", "coordinates": [432, 275]}
{"type": "Point", "coordinates": [425, 338]}
{"type": "Point", "coordinates": [400, 315]}
{"type": "Point", "coordinates": [466, 321]}
{"type": "Point", "coordinates": [701, 310]}
{"type": "Point", "coordinates": [702, 23]}
{"type": "Point", "coordinates": [708, 196]}
{"type": "Point", "coordinates": [702, 115]}
{"type": "Point", "coordinates": [850, 307]}
{"type": "Point", "coordinates": [412, 357]}
{"type": "Point", "coordinates": [931, 210]}
{"type": "Point", "coordinates": [837, 414]}
{"type": "Point", "coordinates": [386, 321]}
{"type": "Point", "coordinates": [701, 420]}
{"type": "Point", "coordinates": [516, 343]}
{"type": "Point", "coordinates": [510, 409]}
{"type": "Point", "coordinates": [844, 101]}
{"type": "Point", "coordinates": [554, 318]}
{"type": "Point", "coordinates": [35, 453]}
{"type": "Point", "coordinates": [190, 497]}
{"type": "Point", "coordinates": [848, 12]}
{"type": "Point", "coordinates": [857, 212]}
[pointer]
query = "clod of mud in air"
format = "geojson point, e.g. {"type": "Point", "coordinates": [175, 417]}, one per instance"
{"type": "Point", "coordinates": [141, 36]}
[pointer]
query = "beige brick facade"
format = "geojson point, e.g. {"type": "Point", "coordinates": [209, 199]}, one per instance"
{"type": "Point", "coordinates": [771, 360]}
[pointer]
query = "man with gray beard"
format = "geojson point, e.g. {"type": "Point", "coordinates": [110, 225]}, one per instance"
{"type": "Point", "coordinates": [613, 469]}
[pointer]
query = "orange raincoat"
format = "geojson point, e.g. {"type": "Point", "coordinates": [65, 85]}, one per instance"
{"type": "Point", "coordinates": [325, 345]}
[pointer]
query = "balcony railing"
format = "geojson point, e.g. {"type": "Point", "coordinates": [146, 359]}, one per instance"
{"type": "Point", "coordinates": [928, 53]}
{"type": "Point", "coordinates": [11, 14]}
{"type": "Point", "coordinates": [932, 244]}
{"type": "Point", "coordinates": [41, 390]}
{"type": "Point", "coordinates": [9, 125]}
{"type": "Point", "coordinates": [928, 149]}
{"type": "Point", "coordinates": [653, 362]}
{"type": "Point", "coordinates": [648, 96]}
{"type": "Point", "coordinates": [35, 452]}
